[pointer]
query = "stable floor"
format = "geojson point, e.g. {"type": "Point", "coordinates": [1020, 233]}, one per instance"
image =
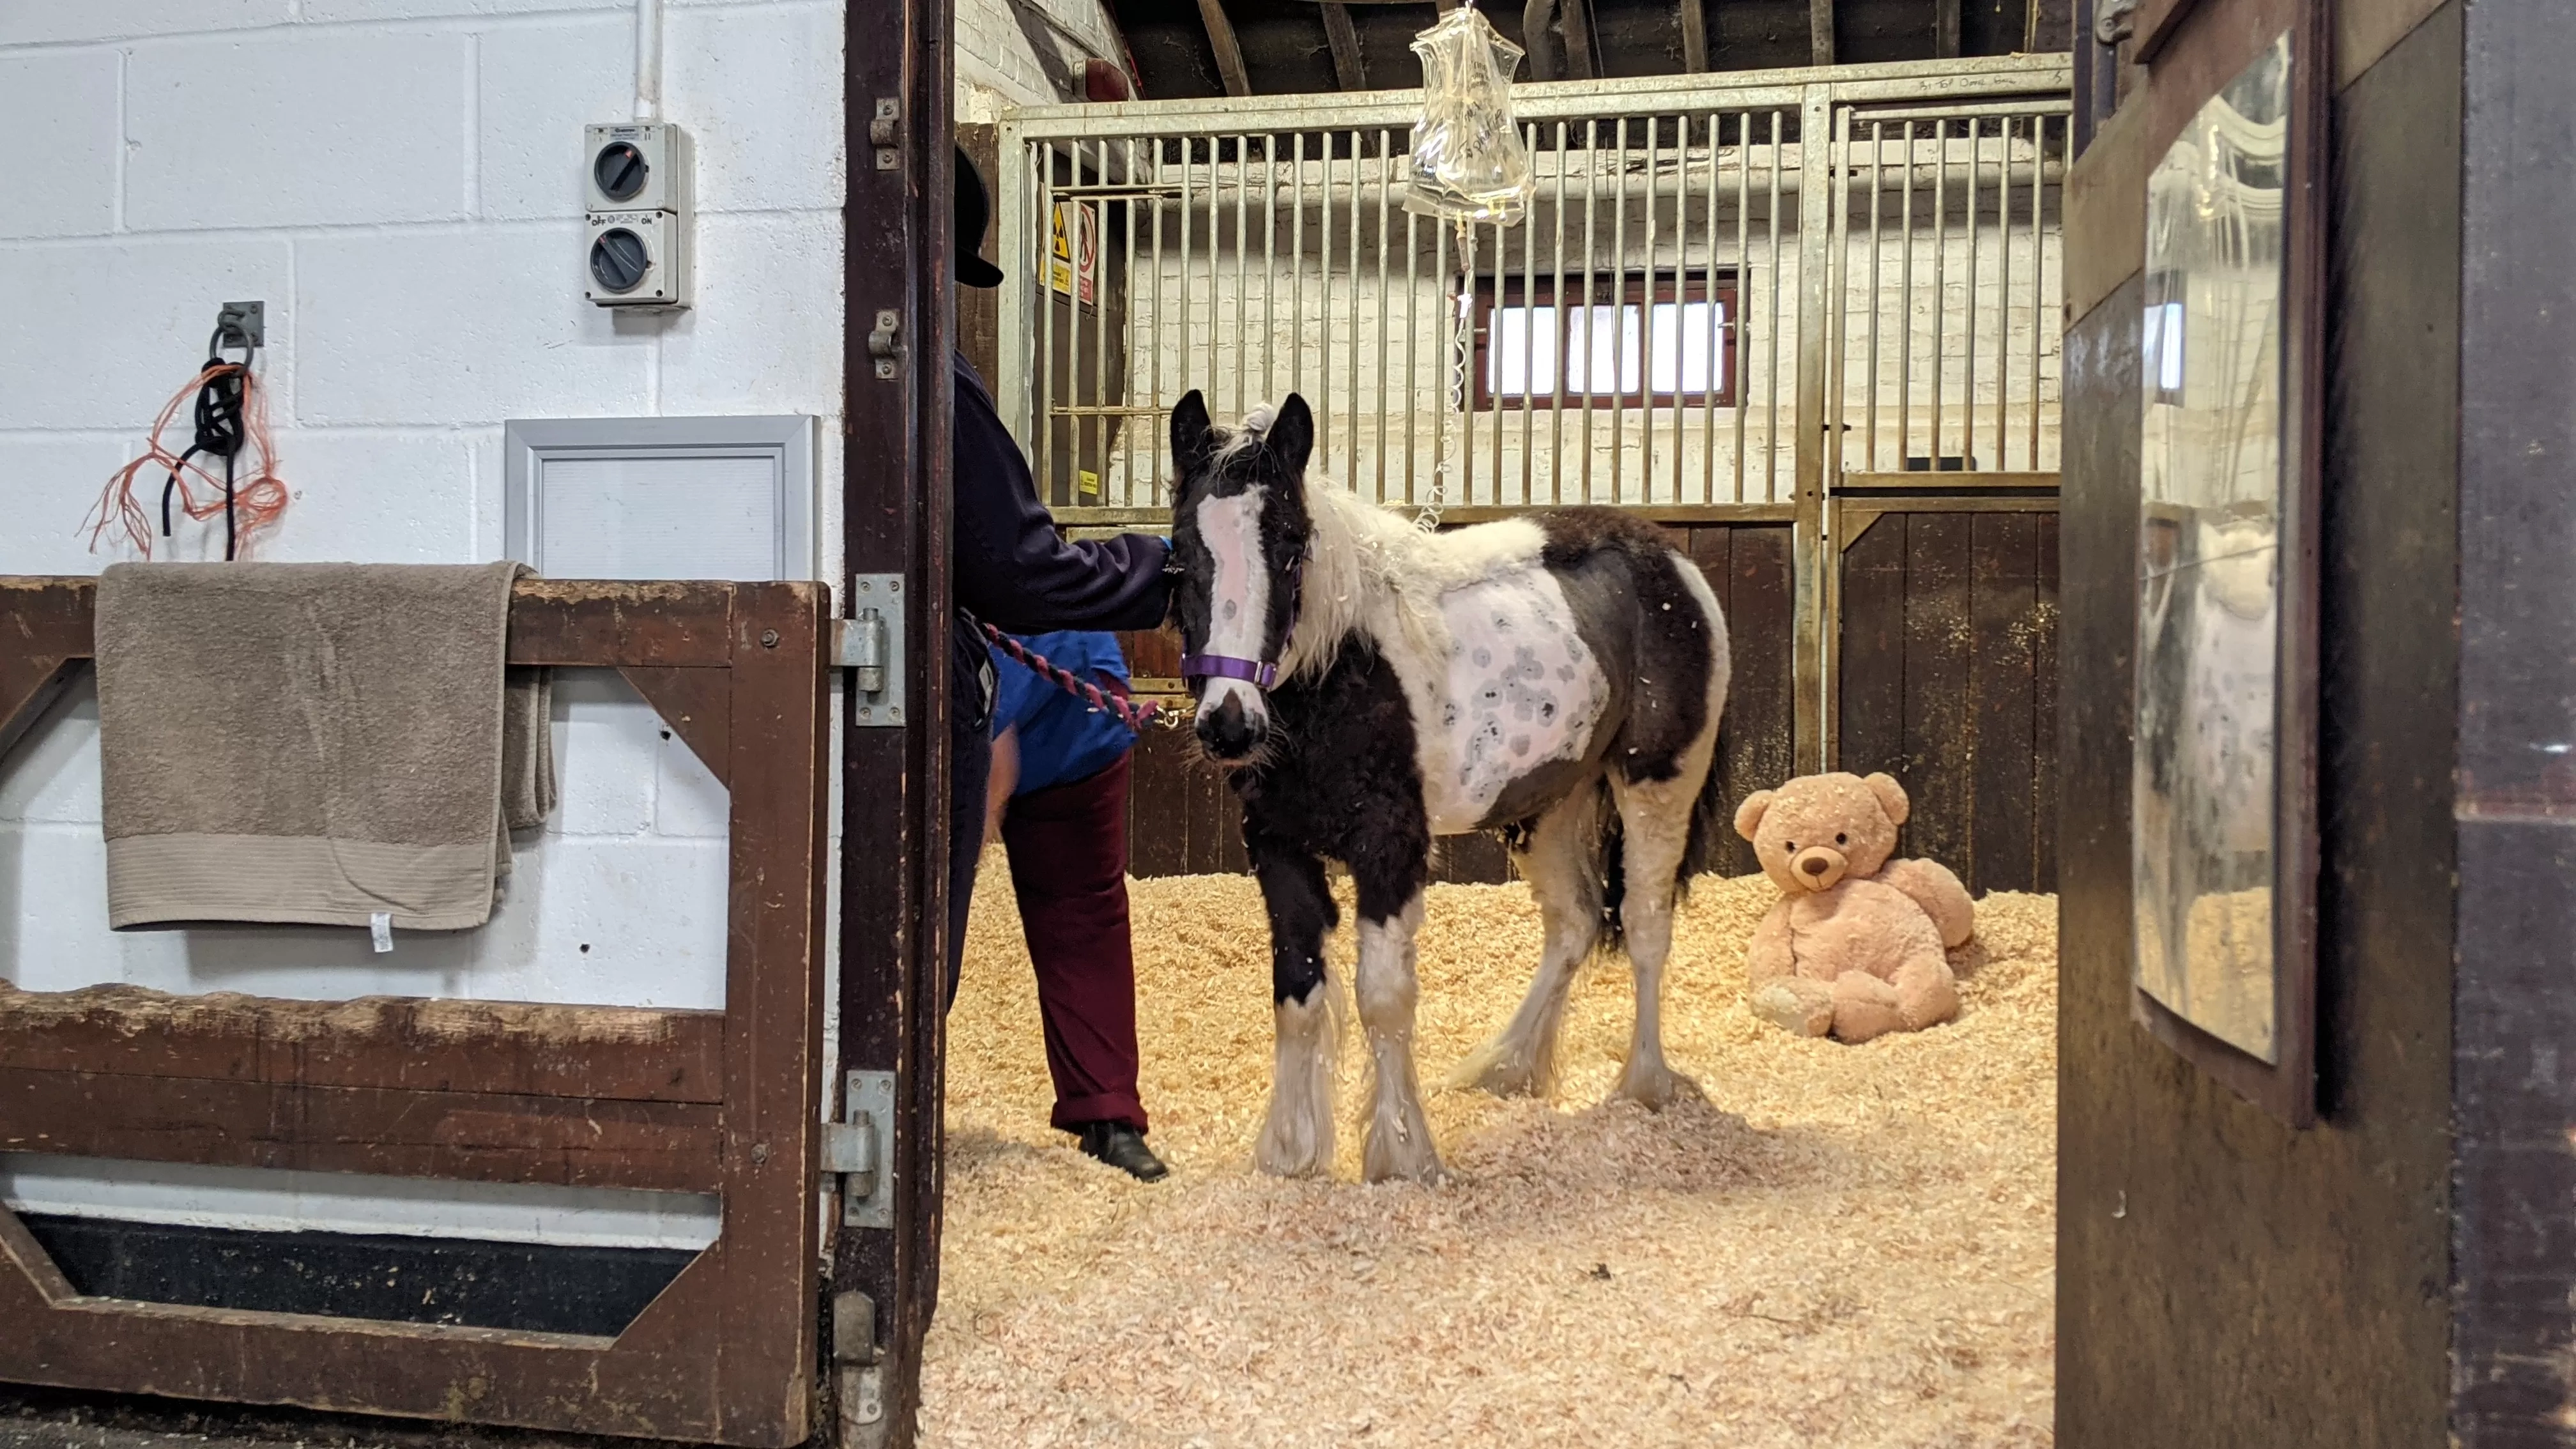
{"type": "Point", "coordinates": [1845, 1246]}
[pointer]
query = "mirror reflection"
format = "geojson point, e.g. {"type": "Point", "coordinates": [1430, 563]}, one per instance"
{"type": "Point", "coordinates": [2209, 562]}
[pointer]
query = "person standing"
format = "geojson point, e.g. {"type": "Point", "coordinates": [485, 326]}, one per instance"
{"type": "Point", "coordinates": [1012, 569]}
{"type": "Point", "coordinates": [1058, 802]}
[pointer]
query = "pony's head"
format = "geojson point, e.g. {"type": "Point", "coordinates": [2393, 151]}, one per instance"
{"type": "Point", "coordinates": [1239, 534]}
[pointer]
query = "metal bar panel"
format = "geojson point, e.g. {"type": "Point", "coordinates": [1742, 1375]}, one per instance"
{"type": "Point", "coordinates": [1412, 335]}
{"type": "Point", "coordinates": [1046, 399]}
{"type": "Point", "coordinates": [1940, 264]}
{"type": "Point", "coordinates": [1189, 255]}
{"type": "Point", "coordinates": [1564, 338]}
{"type": "Point", "coordinates": [2039, 309]}
{"type": "Point", "coordinates": [2003, 292]}
{"type": "Point", "coordinates": [1743, 287]}
{"type": "Point", "coordinates": [1877, 296]}
{"type": "Point", "coordinates": [1440, 479]}
{"type": "Point", "coordinates": [1270, 269]}
{"type": "Point", "coordinates": [1646, 327]}
{"type": "Point", "coordinates": [1385, 193]}
{"type": "Point", "coordinates": [1127, 431]}
{"type": "Point", "coordinates": [1297, 269]}
{"type": "Point", "coordinates": [1968, 396]}
{"type": "Point", "coordinates": [1502, 265]}
{"type": "Point", "coordinates": [1808, 550]}
{"type": "Point", "coordinates": [1618, 325]}
{"type": "Point", "coordinates": [1591, 315]}
{"type": "Point", "coordinates": [1351, 429]}
{"type": "Point", "coordinates": [1771, 384]}
{"type": "Point", "coordinates": [1153, 428]}
{"type": "Point", "coordinates": [1242, 273]}
{"type": "Point", "coordinates": [1078, 424]}
{"type": "Point", "coordinates": [1721, 363]}
{"type": "Point", "coordinates": [1905, 313]}
{"type": "Point", "coordinates": [1529, 310]}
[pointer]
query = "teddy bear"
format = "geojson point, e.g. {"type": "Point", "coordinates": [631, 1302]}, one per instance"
{"type": "Point", "coordinates": [1857, 945]}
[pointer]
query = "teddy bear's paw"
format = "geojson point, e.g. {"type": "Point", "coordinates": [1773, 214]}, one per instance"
{"type": "Point", "coordinates": [1654, 1086]}
{"type": "Point", "coordinates": [1793, 1012]}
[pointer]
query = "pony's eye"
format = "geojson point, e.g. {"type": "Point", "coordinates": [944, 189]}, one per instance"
{"type": "Point", "coordinates": [1842, 840]}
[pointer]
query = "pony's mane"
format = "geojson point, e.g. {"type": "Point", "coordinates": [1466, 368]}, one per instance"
{"type": "Point", "coordinates": [1358, 569]}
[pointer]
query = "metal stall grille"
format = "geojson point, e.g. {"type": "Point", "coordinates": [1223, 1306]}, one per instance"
{"type": "Point", "coordinates": [1669, 320]}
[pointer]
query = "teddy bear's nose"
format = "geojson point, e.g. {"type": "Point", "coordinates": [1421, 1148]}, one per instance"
{"type": "Point", "coordinates": [1813, 865]}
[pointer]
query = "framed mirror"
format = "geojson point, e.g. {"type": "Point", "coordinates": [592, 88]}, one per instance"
{"type": "Point", "coordinates": [2223, 778]}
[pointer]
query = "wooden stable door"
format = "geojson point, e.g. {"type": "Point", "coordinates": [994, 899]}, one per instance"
{"type": "Point", "coordinates": [710, 1102]}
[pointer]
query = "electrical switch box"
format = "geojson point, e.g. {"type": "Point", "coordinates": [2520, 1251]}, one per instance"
{"type": "Point", "coordinates": [637, 192]}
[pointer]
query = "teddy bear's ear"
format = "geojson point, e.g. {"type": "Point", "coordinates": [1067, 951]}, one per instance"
{"type": "Point", "coordinates": [1748, 816]}
{"type": "Point", "coordinates": [1891, 797]}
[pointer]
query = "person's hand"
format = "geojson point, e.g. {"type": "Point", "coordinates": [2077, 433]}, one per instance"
{"type": "Point", "coordinates": [1004, 779]}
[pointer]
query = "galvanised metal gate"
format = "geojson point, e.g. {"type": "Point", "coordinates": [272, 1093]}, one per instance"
{"type": "Point", "coordinates": [1685, 323]}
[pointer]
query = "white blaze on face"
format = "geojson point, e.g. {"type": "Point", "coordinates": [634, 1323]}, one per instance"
{"type": "Point", "coordinates": [1238, 596]}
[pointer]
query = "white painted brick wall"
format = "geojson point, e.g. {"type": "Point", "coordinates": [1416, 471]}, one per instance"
{"type": "Point", "coordinates": [399, 181]}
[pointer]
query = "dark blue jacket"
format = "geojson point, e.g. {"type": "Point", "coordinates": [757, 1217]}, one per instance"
{"type": "Point", "coordinates": [1013, 570]}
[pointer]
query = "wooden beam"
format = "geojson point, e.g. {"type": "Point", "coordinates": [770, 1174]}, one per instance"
{"type": "Point", "coordinates": [1820, 32]}
{"type": "Point", "coordinates": [1694, 36]}
{"type": "Point", "coordinates": [1945, 29]}
{"type": "Point", "coordinates": [1576, 17]}
{"type": "Point", "coordinates": [1350, 68]}
{"type": "Point", "coordinates": [1229, 54]}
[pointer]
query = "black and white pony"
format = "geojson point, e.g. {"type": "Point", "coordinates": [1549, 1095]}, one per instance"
{"type": "Point", "coordinates": [1374, 685]}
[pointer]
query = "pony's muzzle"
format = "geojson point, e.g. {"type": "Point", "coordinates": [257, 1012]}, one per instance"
{"type": "Point", "coordinates": [1227, 730]}
{"type": "Point", "coordinates": [1818, 868]}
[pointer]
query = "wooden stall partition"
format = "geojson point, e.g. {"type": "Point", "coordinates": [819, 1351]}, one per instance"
{"type": "Point", "coordinates": [715, 1102]}
{"type": "Point", "coordinates": [1946, 678]}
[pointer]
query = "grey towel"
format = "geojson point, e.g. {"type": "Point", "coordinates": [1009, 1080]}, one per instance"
{"type": "Point", "coordinates": [314, 743]}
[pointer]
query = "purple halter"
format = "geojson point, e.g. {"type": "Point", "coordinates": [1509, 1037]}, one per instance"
{"type": "Point", "coordinates": [1259, 673]}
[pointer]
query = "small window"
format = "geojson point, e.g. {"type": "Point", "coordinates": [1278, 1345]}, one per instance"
{"type": "Point", "coordinates": [1530, 350]}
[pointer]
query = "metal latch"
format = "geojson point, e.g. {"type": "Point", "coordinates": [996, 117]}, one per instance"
{"type": "Point", "coordinates": [859, 1149]}
{"type": "Point", "coordinates": [869, 644]}
{"type": "Point", "coordinates": [885, 342]}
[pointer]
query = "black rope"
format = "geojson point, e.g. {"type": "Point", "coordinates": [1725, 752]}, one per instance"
{"type": "Point", "coordinates": [220, 429]}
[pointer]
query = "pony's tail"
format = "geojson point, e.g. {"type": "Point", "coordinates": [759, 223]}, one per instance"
{"type": "Point", "coordinates": [1610, 865]}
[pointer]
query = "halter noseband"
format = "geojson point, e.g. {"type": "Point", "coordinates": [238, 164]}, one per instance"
{"type": "Point", "coordinates": [1261, 674]}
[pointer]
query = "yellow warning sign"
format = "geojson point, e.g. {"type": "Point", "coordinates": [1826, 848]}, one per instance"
{"type": "Point", "coordinates": [1074, 269]}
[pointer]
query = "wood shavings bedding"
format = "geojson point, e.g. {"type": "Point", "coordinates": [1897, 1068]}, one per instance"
{"type": "Point", "coordinates": [1844, 1246]}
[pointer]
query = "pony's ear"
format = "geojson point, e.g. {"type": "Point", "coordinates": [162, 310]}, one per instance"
{"type": "Point", "coordinates": [1191, 433]}
{"type": "Point", "coordinates": [1291, 438]}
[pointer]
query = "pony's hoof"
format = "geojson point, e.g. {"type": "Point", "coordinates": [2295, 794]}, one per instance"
{"type": "Point", "coordinates": [1499, 1074]}
{"type": "Point", "coordinates": [1427, 1171]}
{"type": "Point", "coordinates": [1290, 1159]}
{"type": "Point", "coordinates": [1656, 1088]}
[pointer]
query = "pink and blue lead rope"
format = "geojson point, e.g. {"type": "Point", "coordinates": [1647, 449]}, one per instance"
{"type": "Point", "coordinates": [1134, 714]}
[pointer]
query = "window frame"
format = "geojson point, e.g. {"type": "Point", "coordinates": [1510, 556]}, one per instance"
{"type": "Point", "coordinates": [1720, 285]}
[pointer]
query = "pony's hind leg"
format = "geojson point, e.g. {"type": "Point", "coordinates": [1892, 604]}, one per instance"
{"type": "Point", "coordinates": [1655, 818]}
{"type": "Point", "coordinates": [1297, 1136]}
{"type": "Point", "coordinates": [1399, 1136]}
{"type": "Point", "coordinates": [1520, 1060]}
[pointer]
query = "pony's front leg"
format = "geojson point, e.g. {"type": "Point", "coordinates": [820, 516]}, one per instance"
{"type": "Point", "coordinates": [1297, 1137]}
{"type": "Point", "coordinates": [1399, 1136]}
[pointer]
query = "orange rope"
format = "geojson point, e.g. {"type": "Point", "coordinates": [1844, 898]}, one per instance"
{"type": "Point", "coordinates": [259, 495]}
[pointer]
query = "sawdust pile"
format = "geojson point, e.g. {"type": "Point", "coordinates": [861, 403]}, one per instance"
{"type": "Point", "coordinates": [1846, 1246]}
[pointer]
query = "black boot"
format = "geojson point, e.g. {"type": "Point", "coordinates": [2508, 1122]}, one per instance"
{"type": "Point", "coordinates": [1122, 1147]}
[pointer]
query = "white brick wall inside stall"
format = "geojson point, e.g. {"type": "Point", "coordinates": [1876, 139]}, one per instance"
{"type": "Point", "coordinates": [998, 63]}
{"type": "Point", "coordinates": [399, 181]}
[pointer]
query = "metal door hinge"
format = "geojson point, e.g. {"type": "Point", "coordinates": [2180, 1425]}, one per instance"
{"type": "Point", "coordinates": [863, 1417]}
{"type": "Point", "coordinates": [859, 1150]}
{"type": "Point", "coordinates": [883, 135]}
{"type": "Point", "coordinates": [869, 644]}
{"type": "Point", "coordinates": [885, 343]}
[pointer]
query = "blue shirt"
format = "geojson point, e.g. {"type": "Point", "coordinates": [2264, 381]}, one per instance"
{"type": "Point", "coordinates": [1062, 737]}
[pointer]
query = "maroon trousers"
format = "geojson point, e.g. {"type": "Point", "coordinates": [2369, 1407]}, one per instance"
{"type": "Point", "coordinates": [1068, 850]}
